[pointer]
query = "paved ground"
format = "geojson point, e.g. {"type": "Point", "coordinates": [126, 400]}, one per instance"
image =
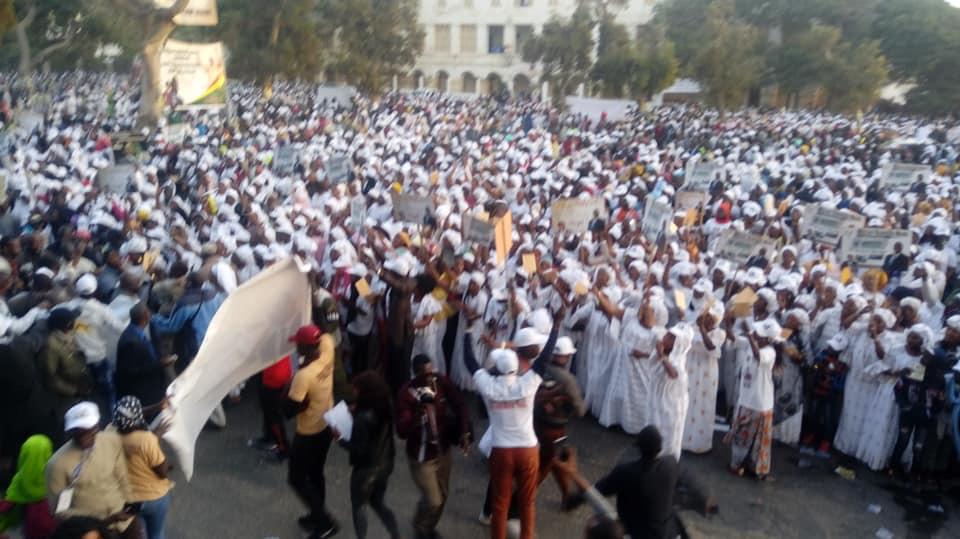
{"type": "Point", "coordinates": [235, 493]}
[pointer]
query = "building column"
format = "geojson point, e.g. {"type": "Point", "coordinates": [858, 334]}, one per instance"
{"type": "Point", "coordinates": [545, 91]}
{"type": "Point", "coordinates": [394, 83]}
{"type": "Point", "coordinates": [454, 38]}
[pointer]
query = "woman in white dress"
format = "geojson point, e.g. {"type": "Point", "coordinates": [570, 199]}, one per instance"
{"type": "Point", "coordinates": [703, 378]}
{"type": "Point", "coordinates": [428, 327]}
{"type": "Point", "coordinates": [868, 427]}
{"type": "Point", "coordinates": [670, 400]}
{"type": "Point", "coordinates": [627, 400]}
{"type": "Point", "coordinates": [603, 337]}
{"type": "Point", "coordinates": [472, 306]}
{"type": "Point", "coordinates": [788, 378]}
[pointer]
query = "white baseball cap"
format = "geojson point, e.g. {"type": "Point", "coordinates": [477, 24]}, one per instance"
{"type": "Point", "coordinates": [86, 285]}
{"type": "Point", "coordinates": [529, 337]}
{"type": "Point", "coordinates": [564, 347]}
{"type": "Point", "coordinates": [505, 360]}
{"type": "Point", "coordinates": [83, 415]}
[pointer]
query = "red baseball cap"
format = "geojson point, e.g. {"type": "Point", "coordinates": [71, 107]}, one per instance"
{"type": "Point", "coordinates": [307, 335]}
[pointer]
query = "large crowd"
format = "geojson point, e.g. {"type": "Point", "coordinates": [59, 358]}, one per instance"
{"type": "Point", "coordinates": [107, 294]}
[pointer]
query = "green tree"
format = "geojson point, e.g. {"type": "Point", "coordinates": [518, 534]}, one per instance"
{"type": "Point", "coordinates": [658, 67]}
{"type": "Point", "coordinates": [44, 27]}
{"type": "Point", "coordinates": [617, 59]}
{"type": "Point", "coordinates": [155, 25]}
{"type": "Point", "coordinates": [803, 62]}
{"type": "Point", "coordinates": [563, 50]}
{"type": "Point", "coordinates": [729, 64]}
{"type": "Point", "coordinates": [684, 21]}
{"type": "Point", "coordinates": [268, 38]}
{"type": "Point", "coordinates": [373, 40]}
{"type": "Point", "coordinates": [856, 73]}
{"type": "Point", "coordinates": [920, 39]}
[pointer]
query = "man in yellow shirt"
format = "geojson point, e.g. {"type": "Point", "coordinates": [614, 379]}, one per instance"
{"type": "Point", "coordinates": [310, 396]}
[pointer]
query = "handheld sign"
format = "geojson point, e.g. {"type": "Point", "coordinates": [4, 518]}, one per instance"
{"type": "Point", "coordinates": [901, 176]}
{"type": "Point", "coordinates": [284, 160]}
{"type": "Point", "coordinates": [412, 208]}
{"type": "Point", "coordinates": [869, 246]}
{"type": "Point", "coordinates": [575, 214]}
{"type": "Point", "coordinates": [738, 247]}
{"type": "Point", "coordinates": [338, 168]}
{"type": "Point", "coordinates": [477, 230]}
{"type": "Point", "coordinates": [827, 225]}
{"type": "Point", "coordinates": [114, 179]}
{"type": "Point", "coordinates": [700, 175]}
{"type": "Point", "coordinates": [655, 218]}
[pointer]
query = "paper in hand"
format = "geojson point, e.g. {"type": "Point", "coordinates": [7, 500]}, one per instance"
{"type": "Point", "coordinates": [363, 288]}
{"type": "Point", "coordinates": [339, 417]}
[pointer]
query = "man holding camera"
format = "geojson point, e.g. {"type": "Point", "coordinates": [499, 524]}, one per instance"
{"type": "Point", "coordinates": [432, 418]}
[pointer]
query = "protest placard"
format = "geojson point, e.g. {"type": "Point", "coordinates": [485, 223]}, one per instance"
{"type": "Point", "coordinates": [686, 200]}
{"type": "Point", "coordinates": [900, 176]}
{"type": "Point", "coordinates": [827, 225]}
{"type": "Point", "coordinates": [477, 230]}
{"type": "Point", "coordinates": [284, 160]}
{"type": "Point", "coordinates": [575, 214]}
{"type": "Point", "coordinates": [177, 133]}
{"type": "Point", "coordinates": [411, 208]}
{"type": "Point", "coordinates": [358, 212]}
{"type": "Point", "coordinates": [195, 71]}
{"type": "Point", "coordinates": [114, 179]}
{"type": "Point", "coordinates": [656, 215]}
{"type": "Point", "coordinates": [338, 168]}
{"type": "Point", "coordinates": [700, 175]}
{"type": "Point", "coordinates": [738, 247]}
{"type": "Point", "coordinates": [869, 246]}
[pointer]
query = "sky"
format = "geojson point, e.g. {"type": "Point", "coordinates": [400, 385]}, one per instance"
{"type": "Point", "coordinates": [954, 3]}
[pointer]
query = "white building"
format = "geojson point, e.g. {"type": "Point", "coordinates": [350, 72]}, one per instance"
{"type": "Point", "coordinates": [473, 46]}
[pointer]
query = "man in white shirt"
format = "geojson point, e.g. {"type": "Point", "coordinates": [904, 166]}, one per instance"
{"type": "Point", "coordinates": [509, 398]}
{"type": "Point", "coordinates": [97, 333]}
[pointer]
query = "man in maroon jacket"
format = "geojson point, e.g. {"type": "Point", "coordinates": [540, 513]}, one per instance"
{"type": "Point", "coordinates": [432, 418]}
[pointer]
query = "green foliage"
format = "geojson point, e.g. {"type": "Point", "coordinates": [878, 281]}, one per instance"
{"type": "Point", "coordinates": [269, 37]}
{"type": "Point", "coordinates": [921, 39]}
{"type": "Point", "coordinates": [7, 16]}
{"type": "Point", "coordinates": [684, 21]}
{"type": "Point", "coordinates": [730, 63]}
{"type": "Point", "coordinates": [804, 60]}
{"type": "Point", "coordinates": [563, 50]}
{"type": "Point", "coordinates": [373, 40]}
{"type": "Point", "coordinates": [856, 72]}
{"type": "Point", "coordinates": [638, 69]}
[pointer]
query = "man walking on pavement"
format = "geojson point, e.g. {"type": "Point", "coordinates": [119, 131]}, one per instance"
{"type": "Point", "coordinates": [432, 418]}
{"type": "Point", "coordinates": [310, 396]}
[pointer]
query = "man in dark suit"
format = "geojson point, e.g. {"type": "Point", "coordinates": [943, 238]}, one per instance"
{"type": "Point", "coordinates": [140, 370]}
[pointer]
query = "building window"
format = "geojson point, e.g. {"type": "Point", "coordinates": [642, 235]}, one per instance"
{"type": "Point", "coordinates": [441, 38]}
{"type": "Point", "coordinates": [524, 33]}
{"type": "Point", "coordinates": [495, 39]}
{"type": "Point", "coordinates": [468, 3]}
{"type": "Point", "coordinates": [441, 4]}
{"type": "Point", "coordinates": [468, 38]}
{"type": "Point", "coordinates": [524, 3]}
{"type": "Point", "coordinates": [495, 3]}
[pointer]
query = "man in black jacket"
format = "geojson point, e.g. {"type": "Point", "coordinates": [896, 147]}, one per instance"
{"type": "Point", "coordinates": [432, 418]}
{"type": "Point", "coordinates": [140, 370]}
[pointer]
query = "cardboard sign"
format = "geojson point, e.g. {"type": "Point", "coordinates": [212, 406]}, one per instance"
{"type": "Point", "coordinates": [503, 237]}
{"type": "Point", "coordinates": [284, 160]}
{"type": "Point", "coordinates": [530, 263]}
{"type": "Point", "coordinates": [738, 247]}
{"type": "Point", "coordinates": [656, 215]}
{"type": "Point", "coordinates": [477, 230]}
{"type": "Point", "coordinates": [700, 175]}
{"type": "Point", "coordinates": [412, 208]}
{"type": "Point", "coordinates": [869, 246]}
{"type": "Point", "coordinates": [114, 179]}
{"type": "Point", "coordinates": [742, 303]}
{"type": "Point", "coordinates": [575, 214]}
{"type": "Point", "coordinates": [338, 168]}
{"type": "Point", "coordinates": [363, 288]}
{"type": "Point", "coordinates": [28, 120]}
{"type": "Point", "coordinates": [826, 225]}
{"type": "Point", "coordinates": [689, 200]}
{"type": "Point", "coordinates": [900, 176]}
